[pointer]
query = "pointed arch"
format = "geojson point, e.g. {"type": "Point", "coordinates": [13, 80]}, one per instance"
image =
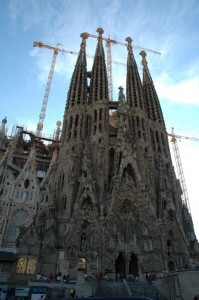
{"type": "Point", "coordinates": [129, 173]}
{"type": "Point", "coordinates": [86, 204]}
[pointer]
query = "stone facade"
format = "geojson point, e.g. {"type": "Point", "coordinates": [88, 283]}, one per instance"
{"type": "Point", "coordinates": [110, 201]}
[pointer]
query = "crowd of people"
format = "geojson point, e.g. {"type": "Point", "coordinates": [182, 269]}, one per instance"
{"type": "Point", "coordinates": [150, 277]}
{"type": "Point", "coordinates": [193, 265]}
{"type": "Point", "coordinates": [52, 277]}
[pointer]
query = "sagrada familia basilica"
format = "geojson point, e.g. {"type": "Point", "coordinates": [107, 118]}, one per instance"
{"type": "Point", "coordinates": [105, 198]}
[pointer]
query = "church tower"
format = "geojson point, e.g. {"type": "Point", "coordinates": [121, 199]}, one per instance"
{"type": "Point", "coordinates": [115, 201]}
{"type": "Point", "coordinates": [82, 173]}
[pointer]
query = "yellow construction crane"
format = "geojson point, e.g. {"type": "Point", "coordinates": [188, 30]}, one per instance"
{"type": "Point", "coordinates": [47, 90]}
{"type": "Point", "coordinates": [110, 41]}
{"type": "Point", "coordinates": [174, 137]}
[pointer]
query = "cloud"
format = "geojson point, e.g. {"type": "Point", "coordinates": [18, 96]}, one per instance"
{"type": "Point", "coordinates": [13, 10]}
{"type": "Point", "coordinates": [186, 91]}
{"type": "Point", "coordinates": [30, 14]}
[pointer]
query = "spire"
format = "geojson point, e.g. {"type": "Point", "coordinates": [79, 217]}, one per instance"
{"type": "Point", "coordinates": [99, 80]}
{"type": "Point", "coordinates": [122, 105]}
{"type": "Point", "coordinates": [133, 82]}
{"type": "Point", "coordinates": [153, 108]}
{"type": "Point", "coordinates": [122, 112]}
{"type": "Point", "coordinates": [77, 93]}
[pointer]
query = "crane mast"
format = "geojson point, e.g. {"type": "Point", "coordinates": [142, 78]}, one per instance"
{"type": "Point", "coordinates": [109, 70]}
{"type": "Point", "coordinates": [185, 198]}
{"type": "Point", "coordinates": [46, 95]}
{"type": "Point", "coordinates": [178, 162]}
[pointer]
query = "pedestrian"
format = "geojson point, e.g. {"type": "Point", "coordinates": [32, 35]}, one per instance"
{"type": "Point", "coordinates": [38, 276]}
{"type": "Point", "coordinates": [51, 277]}
{"type": "Point", "coordinates": [72, 293]}
{"type": "Point", "coordinates": [146, 276]}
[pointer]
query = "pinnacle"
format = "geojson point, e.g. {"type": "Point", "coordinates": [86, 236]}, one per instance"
{"type": "Point", "coordinates": [100, 30]}
{"type": "Point", "coordinates": [129, 41]}
{"type": "Point", "coordinates": [84, 35]}
{"type": "Point", "coordinates": [143, 54]}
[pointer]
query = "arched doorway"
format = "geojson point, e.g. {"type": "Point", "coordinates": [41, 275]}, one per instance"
{"type": "Point", "coordinates": [120, 267]}
{"type": "Point", "coordinates": [133, 265]}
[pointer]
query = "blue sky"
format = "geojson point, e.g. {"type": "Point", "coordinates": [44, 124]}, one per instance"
{"type": "Point", "coordinates": [170, 27]}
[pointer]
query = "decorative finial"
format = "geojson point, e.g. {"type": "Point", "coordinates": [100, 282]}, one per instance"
{"type": "Point", "coordinates": [100, 31]}
{"type": "Point", "coordinates": [143, 54]}
{"type": "Point", "coordinates": [84, 36]}
{"type": "Point", "coordinates": [129, 41]}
